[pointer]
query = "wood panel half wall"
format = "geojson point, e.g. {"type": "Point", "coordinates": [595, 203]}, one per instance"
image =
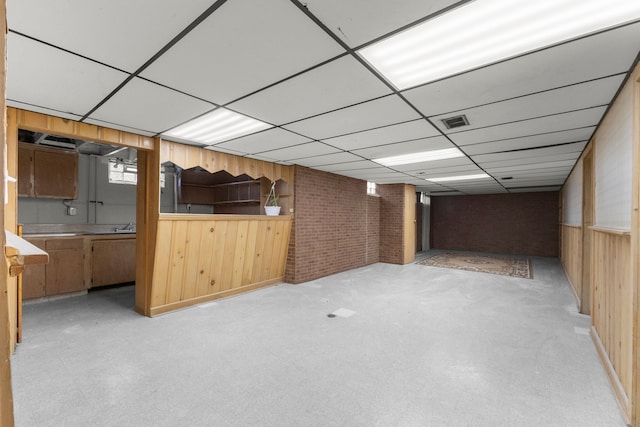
{"type": "Point", "coordinates": [204, 257]}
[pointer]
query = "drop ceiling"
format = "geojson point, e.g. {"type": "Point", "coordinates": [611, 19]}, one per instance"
{"type": "Point", "coordinates": [149, 65]}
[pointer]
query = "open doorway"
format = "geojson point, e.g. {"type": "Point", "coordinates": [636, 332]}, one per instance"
{"type": "Point", "coordinates": [77, 201]}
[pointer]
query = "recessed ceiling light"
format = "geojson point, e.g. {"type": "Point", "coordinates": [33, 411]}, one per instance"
{"type": "Point", "coordinates": [459, 178]}
{"type": "Point", "coordinates": [425, 156]}
{"type": "Point", "coordinates": [482, 32]}
{"type": "Point", "coordinates": [217, 126]}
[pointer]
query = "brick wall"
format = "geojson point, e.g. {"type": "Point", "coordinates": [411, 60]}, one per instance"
{"type": "Point", "coordinates": [334, 228]}
{"type": "Point", "coordinates": [373, 229]}
{"type": "Point", "coordinates": [518, 223]}
{"type": "Point", "coordinates": [391, 223]}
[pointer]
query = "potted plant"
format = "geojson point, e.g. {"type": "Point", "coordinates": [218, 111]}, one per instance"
{"type": "Point", "coordinates": [271, 207]}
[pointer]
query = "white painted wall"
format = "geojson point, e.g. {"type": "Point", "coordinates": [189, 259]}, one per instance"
{"type": "Point", "coordinates": [572, 197]}
{"type": "Point", "coordinates": [613, 168]}
{"type": "Point", "coordinates": [118, 200]}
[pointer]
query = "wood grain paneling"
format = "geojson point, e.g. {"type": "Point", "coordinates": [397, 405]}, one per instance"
{"type": "Point", "coordinates": [613, 309]}
{"type": "Point", "coordinates": [147, 211]}
{"type": "Point", "coordinates": [188, 156]}
{"type": "Point", "coordinates": [6, 395]}
{"type": "Point", "coordinates": [204, 257]}
{"type": "Point", "coordinates": [409, 232]}
{"type": "Point", "coordinates": [64, 127]}
{"type": "Point", "coordinates": [571, 257]}
{"type": "Point", "coordinates": [635, 249]}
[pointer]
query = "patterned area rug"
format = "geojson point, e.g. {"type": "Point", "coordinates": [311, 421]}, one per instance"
{"type": "Point", "coordinates": [503, 265]}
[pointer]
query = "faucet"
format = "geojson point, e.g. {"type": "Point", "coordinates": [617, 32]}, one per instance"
{"type": "Point", "coordinates": [128, 227]}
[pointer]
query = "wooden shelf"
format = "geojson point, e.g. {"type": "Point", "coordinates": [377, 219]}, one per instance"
{"type": "Point", "coordinates": [242, 197]}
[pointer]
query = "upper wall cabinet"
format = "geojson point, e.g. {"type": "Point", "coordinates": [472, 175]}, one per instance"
{"type": "Point", "coordinates": [47, 172]}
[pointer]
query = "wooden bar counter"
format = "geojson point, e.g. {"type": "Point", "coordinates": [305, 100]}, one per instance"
{"type": "Point", "coordinates": [204, 257]}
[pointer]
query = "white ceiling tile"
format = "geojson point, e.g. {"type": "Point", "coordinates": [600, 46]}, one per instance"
{"type": "Point", "coordinates": [270, 139]}
{"type": "Point", "coordinates": [562, 137]}
{"type": "Point", "coordinates": [380, 112]}
{"type": "Point", "coordinates": [558, 122]}
{"type": "Point", "coordinates": [328, 159]}
{"type": "Point", "coordinates": [244, 46]}
{"type": "Point", "coordinates": [578, 61]}
{"type": "Point", "coordinates": [118, 127]}
{"type": "Point", "coordinates": [533, 160]}
{"type": "Point", "coordinates": [508, 170]}
{"type": "Point", "coordinates": [573, 150]}
{"type": "Point", "coordinates": [359, 21]}
{"type": "Point", "coordinates": [149, 106]}
{"type": "Point", "coordinates": [534, 189]}
{"type": "Point", "coordinates": [467, 169]}
{"type": "Point", "coordinates": [224, 150]}
{"type": "Point", "coordinates": [268, 159]}
{"type": "Point", "coordinates": [579, 96]}
{"type": "Point", "coordinates": [415, 146]}
{"type": "Point", "coordinates": [309, 149]}
{"type": "Point", "coordinates": [355, 167]}
{"type": "Point", "coordinates": [41, 75]}
{"type": "Point", "coordinates": [121, 33]}
{"type": "Point", "coordinates": [37, 109]}
{"type": "Point", "coordinates": [415, 129]}
{"type": "Point", "coordinates": [369, 175]}
{"type": "Point", "coordinates": [339, 83]}
{"type": "Point", "coordinates": [426, 166]}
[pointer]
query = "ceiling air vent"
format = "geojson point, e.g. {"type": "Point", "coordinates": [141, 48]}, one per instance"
{"type": "Point", "coordinates": [456, 122]}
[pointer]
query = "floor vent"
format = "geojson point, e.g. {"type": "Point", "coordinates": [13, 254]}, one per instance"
{"type": "Point", "coordinates": [456, 122]}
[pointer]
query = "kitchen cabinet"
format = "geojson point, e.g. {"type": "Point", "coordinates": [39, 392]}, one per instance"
{"type": "Point", "coordinates": [113, 262]}
{"type": "Point", "coordinates": [33, 276]}
{"type": "Point", "coordinates": [65, 270]}
{"type": "Point", "coordinates": [77, 263]}
{"type": "Point", "coordinates": [47, 172]}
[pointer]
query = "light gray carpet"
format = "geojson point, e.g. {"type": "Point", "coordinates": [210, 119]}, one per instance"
{"type": "Point", "coordinates": [403, 348]}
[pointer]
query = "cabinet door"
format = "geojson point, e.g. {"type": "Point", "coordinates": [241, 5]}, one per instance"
{"type": "Point", "coordinates": [33, 281]}
{"type": "Point", "coordinates": [113, 262]}
{"type": "Point", "coordinates": [65, 271]}
{"type": "Point", "coordinates": [55, 174]}
{"type": "Point", "coordinates": [33, 276]}
{"type": "Point", "coordinates": [25, 171]}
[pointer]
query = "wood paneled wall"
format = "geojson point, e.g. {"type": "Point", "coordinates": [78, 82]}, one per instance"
{"type": "Point", "coordinates": [204, 257]}
{"type": "Point", "coordinates": [571, 257]}
{"type": "Point", "coordinates": [63, 127]}
{"type": "Point", "coordinates": [603, 264]}
{"type": "Point", "coordinates": [613, 309]}
{"type": "Point", "coordinates": [188, 156]}
{"type": "Point", "coordinates": [6, 396]}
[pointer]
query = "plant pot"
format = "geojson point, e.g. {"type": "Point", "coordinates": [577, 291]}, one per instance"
{"type": "Point", "coordinates": [272, 210]}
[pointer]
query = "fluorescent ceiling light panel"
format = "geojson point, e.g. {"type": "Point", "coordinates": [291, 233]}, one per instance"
{"type": "Point", "coordinates": [425, 156]}
{"type": "Point", "coordinates": [459, 178]}
{"type": "Point", "coordinates": [482, 32]}
{"type": "Point", "coordinates": [217, 126]}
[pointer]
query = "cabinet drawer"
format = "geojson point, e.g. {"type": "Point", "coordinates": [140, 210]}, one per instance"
{"type": "Point", "coordinates": [63, 243]}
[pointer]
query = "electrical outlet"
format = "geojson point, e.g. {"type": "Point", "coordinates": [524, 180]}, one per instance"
{"type": "Point", "coordinates": [72, 210]}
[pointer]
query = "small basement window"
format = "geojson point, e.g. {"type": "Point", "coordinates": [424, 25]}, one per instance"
{"type": "Point", "coordinates": [372, 188]}
{"type": "Point", "coordinates": [126, 172]}
{"type": "Point", "coordinates": [121, 172]}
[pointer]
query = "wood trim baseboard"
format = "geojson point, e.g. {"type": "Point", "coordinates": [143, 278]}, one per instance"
{"type": "Point", "coordinates": [200, 300]}
{"type": "Point", "coordinates": [616, 385]}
